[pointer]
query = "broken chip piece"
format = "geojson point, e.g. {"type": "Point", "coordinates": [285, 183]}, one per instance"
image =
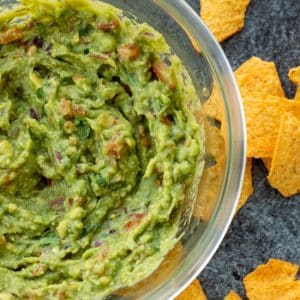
{"type": "Point", "coordinates": [224, 17]}
{"type": "Point", "coordinates": [247, 188]}
{"type": "Point", "coordinates": [193, 291]}
{"type": "Point", "coordinates": [255, 78]}
{"type": "Point", "coordinates": [259, 79]}
{"type": "Point", "coordinates": [275, 278]}
{"type": "Point", "coordinates": [285, 168]}
{"type": "Point", "coordinates": [232, 296]}
{"type": "Point", "coordinates": [262, 122]}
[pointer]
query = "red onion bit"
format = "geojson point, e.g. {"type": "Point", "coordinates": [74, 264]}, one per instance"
{"type": "Point", "coordinates": [97, 244]}
{"type": "Point", "coordinates": [34, 113]}
{"type": "Point", "coordinates": [58, 156]}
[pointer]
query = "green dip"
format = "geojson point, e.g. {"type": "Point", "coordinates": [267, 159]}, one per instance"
{"type": "Point", "coordinates": [99, 148]}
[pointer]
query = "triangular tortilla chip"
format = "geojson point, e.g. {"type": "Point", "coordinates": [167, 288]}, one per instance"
{"type": "Point", "coordinates": [285, 168]}
{"type": "Point", "coordinates": [193, 292]}
{"type": "Point", "coordinates": [224, 17]}
{"type": "Point", "coordinates": [247, 188]}
{"type": "Point", "coordinates": [272, 281]}
{"type": "Point", "coordinates": [262, 122]}
{"type": "Point", "coordinates": [232, 296]}
{"type": "Point", "coordinates": [259, 79]}
{"type": "Point", "coordinates": [256, 79]}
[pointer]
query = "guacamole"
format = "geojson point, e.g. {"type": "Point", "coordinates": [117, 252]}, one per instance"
{"type": "Point", "coordinates": [99, 149]}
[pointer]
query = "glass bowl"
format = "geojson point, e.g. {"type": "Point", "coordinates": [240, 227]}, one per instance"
{"type": "Point", "coordinates": [210, 71]}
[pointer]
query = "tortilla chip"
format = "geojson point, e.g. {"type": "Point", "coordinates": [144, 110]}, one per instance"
{"type": "Point", "coordinates": [294, 75]}
{"type": "Point", "coordinates": [214, 143]}
{"type": "Point", "coordinates": [193, 292]}
{"type": "Point", "coordinates": [285, 168]}
{"type": "Point", "coordinates": [267, 162]}
{"type": "Point", "coordinates": [224, 17]}
{"type": "Point", "coordinates": [297, 95]}
{"type": "Point", "coordinates": [213, 107]}
{"type": "Point", "coordinates": [256, 78]}
{"type": "Point", "coordinates": [247, 189]}
{"type": "Point", "coordinates": [262, 122]}
{"type": "Point", "coordinates": [207, 197]}
{"type": "Point", "coordinates": [232, 296]}
{"type": "Point", "coordinates": [259, 79]}
{"type": "Point", "coordinates": [272, 281]}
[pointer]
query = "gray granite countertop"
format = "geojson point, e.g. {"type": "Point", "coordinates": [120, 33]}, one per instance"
{"type": "Point", "coordinates": [268, 226]}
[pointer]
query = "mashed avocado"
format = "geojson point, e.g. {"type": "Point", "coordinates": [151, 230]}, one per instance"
{"type": "Point", "coordinates": [98, 149]}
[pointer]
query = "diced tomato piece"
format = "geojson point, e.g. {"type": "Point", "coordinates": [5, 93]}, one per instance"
{"type": "Point", "coordinates": [66, 108]}
{"type": "Point", "coordinates": [166, 120]}
{"type": "Point", "coordinates": [78, 110]}
{"type": "Point", "coordinates": [162, 72]}
{"type": "Point", "coordinates": [129, 52]}
{"type": "Point", "coordinates": [135, 219]}
{"type": "Point", "coordinates": [10, 35]}
{"type": "Point", "coordinates": [57, 203]}
{"type": "Point", "coordinates": [109, 26]}
{"type": "Point", "coordinates": [113, 150]}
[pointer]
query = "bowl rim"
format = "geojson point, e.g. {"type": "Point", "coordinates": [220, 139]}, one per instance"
{"type": "Point", "coordinates": [222, 73]}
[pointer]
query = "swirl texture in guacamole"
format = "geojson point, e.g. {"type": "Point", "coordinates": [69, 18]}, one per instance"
{"type": "Point", "coordinates": [99, 146]}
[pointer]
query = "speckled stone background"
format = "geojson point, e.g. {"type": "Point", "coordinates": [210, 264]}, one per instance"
{"type": "Point", "coordinates": [269, 225]}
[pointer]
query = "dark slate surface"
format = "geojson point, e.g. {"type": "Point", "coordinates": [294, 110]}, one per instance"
{"type": "Point", "coordinates": [269, 225]}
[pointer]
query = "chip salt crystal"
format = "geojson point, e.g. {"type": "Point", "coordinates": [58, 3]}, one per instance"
{"type": "Point", "coordinates": [224, 17]}
{"type": "Point", "coordinates": [285, 168]}
{"type": "Point", "coordinates": [193, 292]}
{"type": "Point", "coordinates": [275, 278]}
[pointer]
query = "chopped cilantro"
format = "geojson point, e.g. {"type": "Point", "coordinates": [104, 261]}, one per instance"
{"type": "Point", "coordinates": [83, 129]}
{"type": "Point", "coordinates": [84, 30]}
{"type": "Point", "coordinates": [49, 238]}
{"type": "Point", "coordinates": [40, 93]}
{"type": "Point", "coordinates": [101, 181]}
